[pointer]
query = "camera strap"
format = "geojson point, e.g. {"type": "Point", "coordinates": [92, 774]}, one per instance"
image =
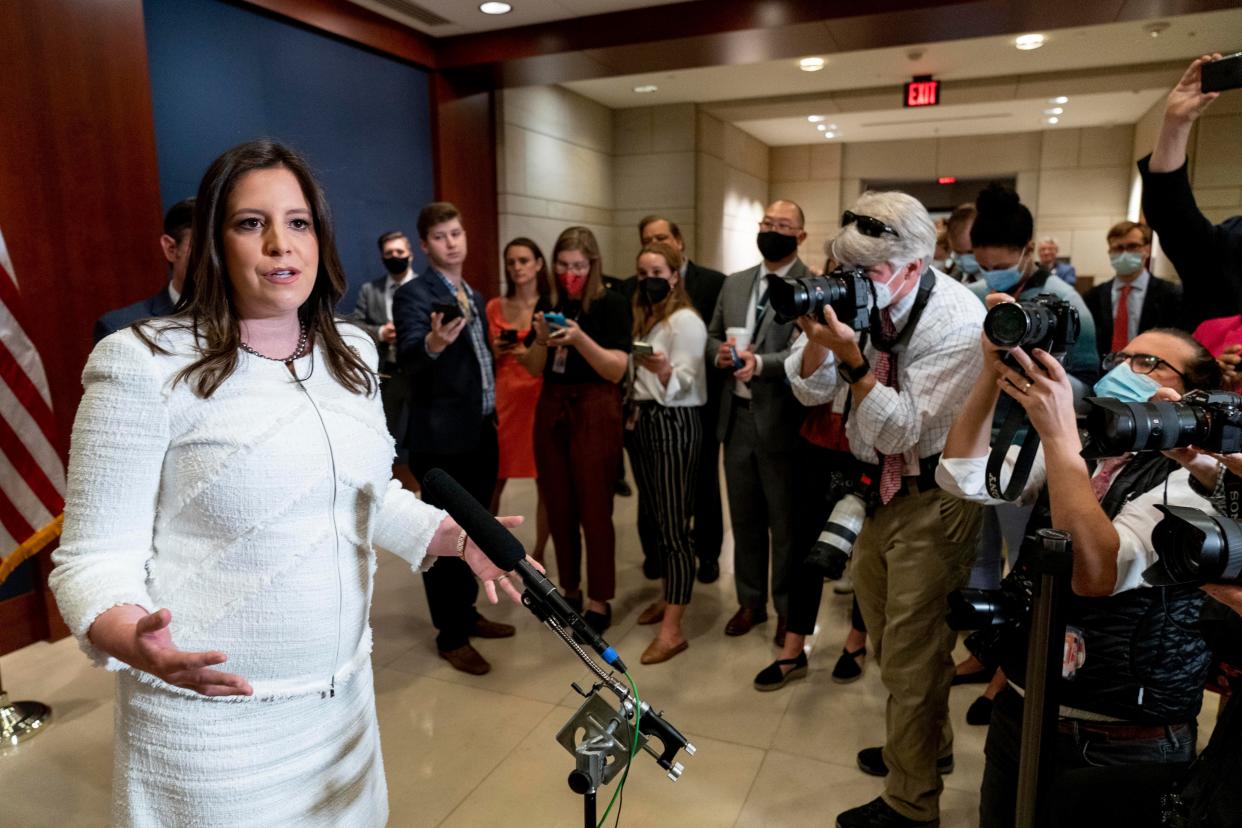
{"type": "Point", "coordinates": [1014, 421]}
{"type": "Point", "coordinates": [899, 343]}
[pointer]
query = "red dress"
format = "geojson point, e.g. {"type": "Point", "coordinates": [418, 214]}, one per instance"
{"type": "Point", "coordinates": [517, 393]}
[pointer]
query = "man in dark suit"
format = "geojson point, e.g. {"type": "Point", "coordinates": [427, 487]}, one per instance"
{"type": "Point", "coordinates": [373, 313]}
{"type": "Point", "coordinates": [703, 284]}
{"type": "Point", "coordinates": [443, 347]}
{"type": "Point", "coordinates": [759, 420]}
{"type": "Point", "coordinates": [176, 246]}
{"type": "Point", "coordinates": [1134, 301]}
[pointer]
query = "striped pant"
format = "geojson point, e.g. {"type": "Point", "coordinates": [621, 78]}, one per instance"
{"type": "Point", "coordinates": [667, 458]}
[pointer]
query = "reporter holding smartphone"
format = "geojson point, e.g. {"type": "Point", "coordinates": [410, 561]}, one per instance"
{"type": "Point", "coordinates": [578, 419]}
{"type": "Point", "coordinates": [670, 383]}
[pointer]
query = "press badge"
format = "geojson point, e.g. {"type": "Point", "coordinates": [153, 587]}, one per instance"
{"type": "Point", "coordinates": [1075, 652]}
{"type": "Point", "coordinates": [558, 361]}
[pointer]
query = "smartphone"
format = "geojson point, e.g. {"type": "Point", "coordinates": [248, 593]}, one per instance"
{"type": "Point", "coordinates": [1219, 75]}
{"type": "Point", "coordinates": [509, 336]}
{"type": "Point", "coordinates": [641, 348]}
{"type": "Point", "coordinates": [451, 311]}
{"type": "Point", "coordinates": [556, 320]}
{"type": "Point", "coordinates": [738, 362]}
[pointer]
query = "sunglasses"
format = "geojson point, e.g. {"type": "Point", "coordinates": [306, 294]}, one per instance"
{"type": "Point", "coordinates": [1139, 363]}
{"type": "Point", "coordinates": [867, 225]}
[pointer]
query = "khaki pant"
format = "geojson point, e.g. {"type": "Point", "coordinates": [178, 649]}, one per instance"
{"type": "Point", "coordinates": [910, 555]}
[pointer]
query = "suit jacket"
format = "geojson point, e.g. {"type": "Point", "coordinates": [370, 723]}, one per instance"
{"type": "Point", "coordinates": [1162, 307]}
{"type": "Point", "coordinates": [778, 415]}
{"type": "Point", "coordinates": [371, 311]}
{"type": "Point", "coordinates": [446, 397]}
{"type": "Point", "coordinates": [160, 304]}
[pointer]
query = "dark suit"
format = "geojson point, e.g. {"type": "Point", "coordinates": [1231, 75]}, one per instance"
{"type": "Point", "coordinates": [1162, 305]}
{"type": "Point", "coordinates": [447, 430]}
{"type": "Point", "coordinates": [371, 314]}
{"type": "Point", "coordinates": [760, 436]}
{"type": "Point", "coordinates": [160, 304]}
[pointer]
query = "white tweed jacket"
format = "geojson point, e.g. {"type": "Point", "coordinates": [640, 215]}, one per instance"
{"type": "Point", "coordinates": [253, 515]}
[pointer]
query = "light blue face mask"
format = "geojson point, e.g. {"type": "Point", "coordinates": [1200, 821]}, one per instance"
{"type": "Point", "coordinates": [966, 261]}
{"type": "Point", "coordinates": [1126, 263]}
{"type": "Point", "coordinates": [1002, 280]}
{"type": "Point", "coordinates": [1123, 384]}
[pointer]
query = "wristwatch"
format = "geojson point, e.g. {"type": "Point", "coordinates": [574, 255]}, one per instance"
{"type": "Point", "coordinates": [852, 375]}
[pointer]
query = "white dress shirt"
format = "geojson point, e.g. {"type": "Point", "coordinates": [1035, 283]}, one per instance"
{"type": "Point", "coordinates": [682, 338]}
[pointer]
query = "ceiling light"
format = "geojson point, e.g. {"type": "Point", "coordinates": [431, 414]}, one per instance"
{"type": "Point", "coordinates": [1059, 99]}
{"type": "Point", "coordinates": [815, 119]}
{"type": "Point", "coordinates": [1056, 110]}
{"type": "Point", "coordinates": [1027, 42]}
{"type": "Point", "coordinates": [822, 127]}
{"type": "Point", "coordinates": [1155, 29]}
{"type": "Point", "coordinates": [811, 64]}
{"type": "Point", "coordinates": [495, 8]}
{"type": "Point", "coordinates": [830, 134]}
{"type": "Point", "coordinates": [1053, 120]}
{"type": "Point", "coordinates": [646, 88]}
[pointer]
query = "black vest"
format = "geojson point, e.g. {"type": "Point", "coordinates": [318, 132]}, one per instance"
{"type": "Point", "coordinates": [1146, 660]}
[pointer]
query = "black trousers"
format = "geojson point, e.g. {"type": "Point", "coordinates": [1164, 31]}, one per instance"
{"type": "Point", "coordinates": [450, 584]}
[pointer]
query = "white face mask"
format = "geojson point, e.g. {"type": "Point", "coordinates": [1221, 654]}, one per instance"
{"type": "Point", "coordinates": [883, 291]}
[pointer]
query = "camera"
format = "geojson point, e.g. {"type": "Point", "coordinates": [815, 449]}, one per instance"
{"type": "Point", "coordinates": [1195, 548]}
{"type": "Point", "coordinates": [1046, 322]}
{"type": "Point", "coordinates": [832, 550]}
{"type": "Point", "coordinates": [1210, 420]}
{"type": "Point", "coordinates": [847, 291]}
{"type": "Point", "coordinates": [977, 609]}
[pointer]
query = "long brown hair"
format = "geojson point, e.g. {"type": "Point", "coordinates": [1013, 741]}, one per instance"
{"type": "Point", "coordinates": [647, 317]}
{"type": "Point", "coordinates": [543, 281]}
{"type": "Point", "coordinates": [207, 306]}
{"type": "Point", "coordinates": [582, 240]}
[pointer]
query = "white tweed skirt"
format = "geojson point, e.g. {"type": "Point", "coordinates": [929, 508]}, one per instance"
{"type": "Point", "coordinates": [306, 761]}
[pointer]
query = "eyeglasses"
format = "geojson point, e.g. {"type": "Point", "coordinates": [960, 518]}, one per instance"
{"type": "Point", "coordinates": [576, 267]}
{"type": "Point", "coordinates": [779, 226]}
{"type": "Point", "coordinates": [1131, 247]}
{"type": "Point", "coordinates": [1139, 363]}
{"type": "Point", "coordinates": [867, 225]}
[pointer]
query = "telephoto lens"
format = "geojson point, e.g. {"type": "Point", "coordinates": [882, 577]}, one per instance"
{"type": "Point", "coordinates": [1195, 548]}
{"type": "Point", "coordinates": [975, 609]}
{"type": "Point", "coordinates": [1210, 420]}
{"type": "Point", "coordinates": [848, 292]}
{"type": "Point", "coordinates": [1044, 322]}
{"type": "Point", "coordinates": [832, 550]}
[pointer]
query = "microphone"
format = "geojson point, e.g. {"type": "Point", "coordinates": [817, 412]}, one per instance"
{"type": "Point", "coordinates": [506, 552]}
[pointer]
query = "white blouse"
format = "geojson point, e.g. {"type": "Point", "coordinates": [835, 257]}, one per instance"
{"type": "Point", "coordinates": [683, 338]}
{"type": "Point", "coordinates": [252, 515]}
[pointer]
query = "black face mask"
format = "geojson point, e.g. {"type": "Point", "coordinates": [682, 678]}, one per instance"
{"type": "Point", "coordinates": [396, 265]}
{"type": "Point", "coordinates": [774, 246]}
{"type": "Point", "coordinates": [654, 291]}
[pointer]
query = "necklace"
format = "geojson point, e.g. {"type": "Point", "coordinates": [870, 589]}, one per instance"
{"type": "Point", "coordinates": [297, 352]}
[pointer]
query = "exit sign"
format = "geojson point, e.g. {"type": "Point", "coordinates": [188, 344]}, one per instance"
{"type": "Point", "coordinates": [922, 91]}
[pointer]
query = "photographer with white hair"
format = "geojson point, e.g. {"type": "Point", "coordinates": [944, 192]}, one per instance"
{"type": "Point", "coordinates": [898, 388]}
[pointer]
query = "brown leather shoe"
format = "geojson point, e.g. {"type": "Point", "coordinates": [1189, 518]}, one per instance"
{"type": "Point", "coordinates": [782, 625]}
{"type": "Point", "coordinates": [653, 614]}
{"type": "Point", "coordinates": [468, 660]}
{"type": "Point", "coordinates": [744, 619]}
{"type": "Point", "coordinates": [657, 652]}
{"type": "Point", "coordinates": [483, 628]}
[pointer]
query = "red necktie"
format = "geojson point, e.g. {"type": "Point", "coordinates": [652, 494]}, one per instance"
{"type": "Point", "coordinates": [1121, 321]}
{"type": "Point", "coordinates": [1106, 474]}
{"type": "Point", "coordinates": [891, 465]}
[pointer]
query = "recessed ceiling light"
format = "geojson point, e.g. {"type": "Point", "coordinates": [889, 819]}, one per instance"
{"type": "Point", "coordinates": [822, 127]}
{"type": "Point", "coordinates": [495, 8]}
{"type": "Point", "coordinates": [1053, 120]}
{"type": "Point", "coordinates": [815, 119]}
{"type": "Point", "coordinates": [1059, 99]}
{"type": "Point", "coordinates": [1027, 42]}
{"type": "Point", "coordinates": [646, 88]}
{"type": "Point", "coordinates": [1056, 110]}
{"type": "Point", "coordinates": [830, 134]}
{"type": "Point", "coordinates": [1155, 29]}
{"type": "Point", "coordinates": [811, 64]}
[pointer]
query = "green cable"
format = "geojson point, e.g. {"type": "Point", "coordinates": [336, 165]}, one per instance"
{"type": "Point", "coordinates": [638, 712]}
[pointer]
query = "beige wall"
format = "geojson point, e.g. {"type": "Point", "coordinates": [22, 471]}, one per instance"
{"type": "Point", "coordinates": [732, 173]}
{"type": "Point", "coordinates": [810, 176]}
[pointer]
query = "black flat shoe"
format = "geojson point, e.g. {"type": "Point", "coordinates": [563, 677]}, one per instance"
{"type": "Point", "coordinates": [773, 677]}
{"type": "Point", "coordinates": [980, 712]}
{"type": "Point", "coordinates": [847, 669]}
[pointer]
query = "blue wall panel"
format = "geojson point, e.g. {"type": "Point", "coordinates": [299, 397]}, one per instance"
{"type": "Point", "coordinates": [222, 74]}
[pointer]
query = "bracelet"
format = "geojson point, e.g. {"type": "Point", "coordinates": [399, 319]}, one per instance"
{"type": "Point", "coordinates": [461, 545]}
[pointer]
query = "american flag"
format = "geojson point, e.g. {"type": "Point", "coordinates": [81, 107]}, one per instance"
{"type": "Point", "coordinates": [32, 477]}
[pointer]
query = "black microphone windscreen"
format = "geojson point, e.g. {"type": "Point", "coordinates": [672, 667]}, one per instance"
{"type": "Point", "coordinates": [497, 542]}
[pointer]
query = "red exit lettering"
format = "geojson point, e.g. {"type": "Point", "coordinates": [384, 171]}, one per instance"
{"type": "Point", "coordinates": [922, 92]}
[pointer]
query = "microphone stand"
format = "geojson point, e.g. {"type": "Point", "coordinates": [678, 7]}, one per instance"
{"type": "Point", "coordinates": [607, 735]}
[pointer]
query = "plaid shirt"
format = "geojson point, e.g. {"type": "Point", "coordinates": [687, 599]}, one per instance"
{"type": "Point", "coordinates": [478, 338]}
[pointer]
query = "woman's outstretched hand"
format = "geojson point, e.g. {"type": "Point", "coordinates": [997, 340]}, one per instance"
{"type": "Point", "coordinates": [144, 641]}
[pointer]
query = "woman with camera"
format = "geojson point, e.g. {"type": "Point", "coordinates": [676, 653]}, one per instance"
{"type": "Point", "coordinates": [517, 390]}
{"type": "Point", "coordinates": [670, 382]}
{"type": "Point", "coordinates": [581, 349]}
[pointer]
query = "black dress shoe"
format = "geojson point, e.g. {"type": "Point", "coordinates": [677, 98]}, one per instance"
{"type": "Point", "coordinates": [773, 677]}
{"type": "Point", "coordinates": [653, 569]}
{"type": "Point", "coordinates": [871, 761]}
{"type": "Point", "coordinates": [847, 669]}
{"type": "Point", "coordinates": [744, 619]}
{"type": "Point", "coordinates": [879, 814]}
{"type": "Point", "coordinates": [709, 572]}
{"type": "Point", "coordinates": [980, 712]}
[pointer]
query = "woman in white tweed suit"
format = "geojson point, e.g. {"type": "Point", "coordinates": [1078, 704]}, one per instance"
{"type": "Point", "coordinates": [229, 484]}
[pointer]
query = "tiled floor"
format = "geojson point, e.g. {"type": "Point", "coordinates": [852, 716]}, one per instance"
{"type": "Point", "coordinates": [466, 751]}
